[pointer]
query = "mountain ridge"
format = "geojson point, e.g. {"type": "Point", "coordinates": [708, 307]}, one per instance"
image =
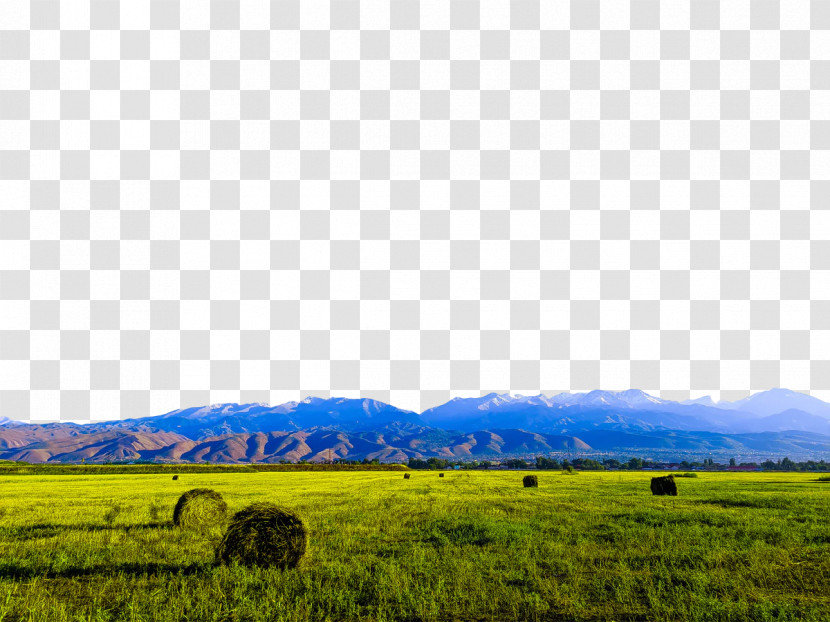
{"type": "Point", "coordinates": [490, 425]}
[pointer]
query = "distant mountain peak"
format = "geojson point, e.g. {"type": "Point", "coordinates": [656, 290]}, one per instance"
{"type": "Point", "coordinates": [618, 399]}
{"type": "Point", "coordinates": [780, 393]}
{"type": "Point", "coordinates": [706, 400]}
{"type": "Point", "coordinates": [495, 423]}
{"type": "Point", "coordinates": [638, 393]}
{"type": "Point", "coordinates": [778, 400]}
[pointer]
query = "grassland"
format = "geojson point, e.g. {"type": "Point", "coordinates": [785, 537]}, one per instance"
{"type": "Point", "coordinates": [470, 546]}
{"type": "Point", "coordinates": [22, 468]}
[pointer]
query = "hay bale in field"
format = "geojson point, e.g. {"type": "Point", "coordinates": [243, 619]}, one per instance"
{"type": "Point", "coordinates": [175, 477]}
{"type": "Point", "coordinates": [406, 475]}
{"type": "Point", "coordinates": [664, 486]}
{"type": "Point", "coordinates": [440, 475]}
{"type": "Point", "coordinates": [530, 481]}
{"type": "Point", "coordinates": [263, 535]}
{"type": "Point", "coordinates": [200, 508]}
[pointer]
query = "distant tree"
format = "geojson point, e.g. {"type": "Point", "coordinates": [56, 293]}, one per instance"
{"type": "Point", "coordinates": [436, 463]}
{"type": "Point", "coordinates": [788, 465]}
{"type": "Point", "coordinates": [547, 463]}
{"type": "Point", "coordinates": [587, 464]}
{"type": "Point", "coordinates": [635, 463]}
{"type": "Point", "coordinates": [732, 462]}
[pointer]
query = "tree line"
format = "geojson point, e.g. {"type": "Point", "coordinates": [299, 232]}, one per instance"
{"type": "Point", "coordinates": [633, 464]}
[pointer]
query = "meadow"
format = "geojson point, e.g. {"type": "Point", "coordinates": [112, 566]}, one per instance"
{"type": "Point", "coordinates": [470, 546]}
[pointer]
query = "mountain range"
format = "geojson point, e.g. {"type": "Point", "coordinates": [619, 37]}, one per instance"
{"type": "Point", "coordinates": [774, 422]}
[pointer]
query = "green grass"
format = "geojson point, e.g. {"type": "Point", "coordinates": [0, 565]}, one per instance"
{"type": "Point", "coordinates": [23, 468]}
{"type": "Point", "coordinates": [470, 546]}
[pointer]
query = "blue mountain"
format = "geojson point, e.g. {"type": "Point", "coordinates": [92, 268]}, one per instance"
{"type": "Point", "coordinates": [499, 425]}
{"type": "Point", "coordinates": [777, 401]}
{"type": "Point", "coordinates": [312, 412]}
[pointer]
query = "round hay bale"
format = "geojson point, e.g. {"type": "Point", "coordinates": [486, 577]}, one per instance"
{"type": "Point", "coordinates": [200, 508]}
{"type": "Point", "coordinates": [440, 475]}
{"type": "Point", "coordinates": [664, 486]}
{"type": "Point", "coordinates": [175, 477]}
{"type": "Point", "coordinates": [406, 475]}
{"type": "Point", "coordinates": [263, 535]}
{"type": "Point", "coordinates": [530, 481]}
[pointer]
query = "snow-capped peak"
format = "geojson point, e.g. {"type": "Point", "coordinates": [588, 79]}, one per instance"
{"type": "Point", "coordinates": [616, 399]}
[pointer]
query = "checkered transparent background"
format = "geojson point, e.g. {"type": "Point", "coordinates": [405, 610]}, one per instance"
{"type": "Point", "coordinates": [205, 201]}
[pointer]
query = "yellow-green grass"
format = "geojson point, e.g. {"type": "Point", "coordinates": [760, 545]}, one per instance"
{"type": "Point", "coordinates": [470, 546]}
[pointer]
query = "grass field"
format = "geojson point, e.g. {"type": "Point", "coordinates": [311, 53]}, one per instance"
{"type": "Point", "coordinates": [470, 546]}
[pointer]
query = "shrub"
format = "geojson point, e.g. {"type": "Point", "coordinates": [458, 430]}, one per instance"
{"type": "Point", "coordinates": [406, 475]}
{"type": "Point", "coordinates": [685, 474]}
{"type": "Point", "coordinates": [263, 535]}
{"type": "Point", "coordinates": [530, 481]}
{"type": "Point", "coordinates": [175, 477]}
{"type": "Point", "coordinates": [440, 475]}
{"type": "Point", "coordinates": [200, 508]}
